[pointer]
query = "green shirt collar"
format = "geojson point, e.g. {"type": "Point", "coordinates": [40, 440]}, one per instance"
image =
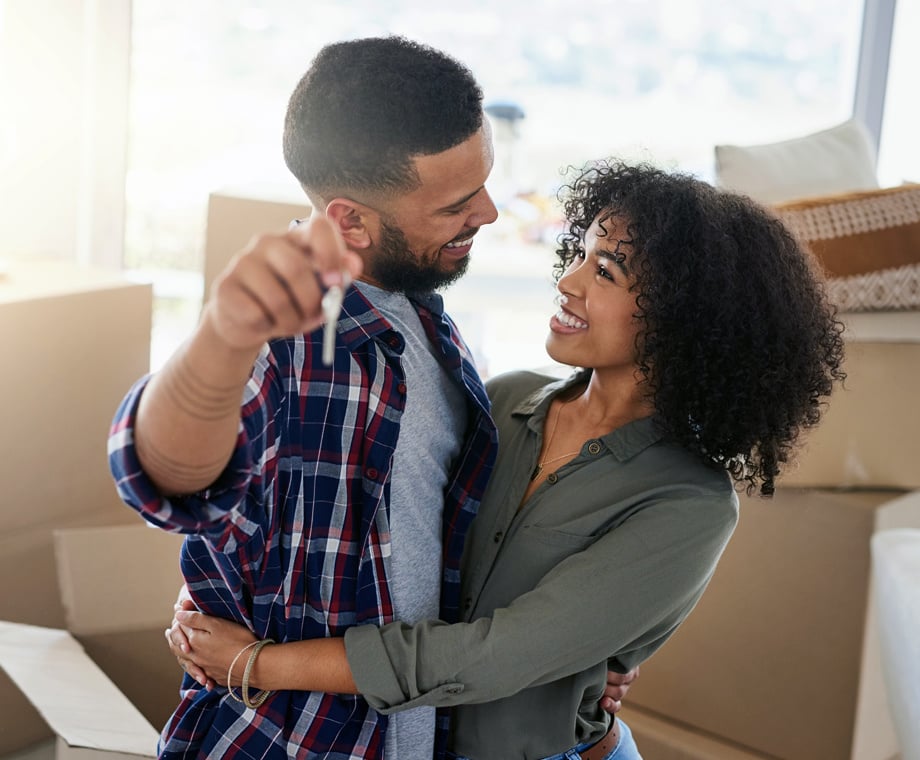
{"type": "Point", "coordinates": [624, 443]}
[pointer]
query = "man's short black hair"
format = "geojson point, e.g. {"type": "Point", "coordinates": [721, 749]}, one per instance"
{"type": "Point", "coordinates": [367, 107]}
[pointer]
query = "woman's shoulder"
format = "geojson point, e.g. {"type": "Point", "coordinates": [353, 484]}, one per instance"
{"type": "Point", "coordinates": [511, 388]}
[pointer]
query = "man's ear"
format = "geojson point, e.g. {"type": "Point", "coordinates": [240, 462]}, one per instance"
{"type": "Point", "coordinates": [354, 221]}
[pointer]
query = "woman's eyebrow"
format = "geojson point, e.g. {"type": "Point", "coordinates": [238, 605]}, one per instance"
{"type": "Point", "coordinates": [616, 257]}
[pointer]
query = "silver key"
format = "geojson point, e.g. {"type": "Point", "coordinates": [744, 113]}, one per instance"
{"type": "Point", "coordinates": [332, 308]}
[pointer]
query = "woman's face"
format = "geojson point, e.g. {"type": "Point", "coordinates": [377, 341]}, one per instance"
{"type": "Point", "coordinates": [596, 325]}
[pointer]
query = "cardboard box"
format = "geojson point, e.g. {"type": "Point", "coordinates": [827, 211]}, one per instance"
{"type": "Point", "coordinates": [660, 739]}
{"type": "Point", "coordinates": [867, 438]}
{"type": "Point", "coordinates": [76, 339]}
{"type": "Point", "coordinates": [103, 684]}
{"type": "Point", "coordinates": [236, 216]}
{"type": "Point", "coordinates": [781, 656]}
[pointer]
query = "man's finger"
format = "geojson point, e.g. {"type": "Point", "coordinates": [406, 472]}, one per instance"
{"type": "Point", "coordinates": [328, 251]}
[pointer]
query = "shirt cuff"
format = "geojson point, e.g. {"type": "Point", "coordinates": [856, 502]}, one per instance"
{"type": "Point", "coordinates": [379, 684]}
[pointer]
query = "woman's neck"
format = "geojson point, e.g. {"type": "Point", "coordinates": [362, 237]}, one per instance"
{"type": "Point", "coordinates": [605, 405]}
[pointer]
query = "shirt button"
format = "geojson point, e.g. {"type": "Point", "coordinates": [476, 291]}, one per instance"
{"type": "Point", "coordinates": [401, 387]}
{"type": "Point", "coordinates": [594, 447]}
{"type": "Point", "coordinates": [394, 342]}
{"type": "Point", "coordinates": [454, 689]}
{"type": "Point", "coordinates": [498, 536]}
{"type": "Point", "coordinates": [372, 473]}
{"type": "Point", "coordinates": [552, 478]}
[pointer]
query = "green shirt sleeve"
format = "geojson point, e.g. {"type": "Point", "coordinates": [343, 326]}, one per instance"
{"type": "Point", "coordinates": [615, 597]}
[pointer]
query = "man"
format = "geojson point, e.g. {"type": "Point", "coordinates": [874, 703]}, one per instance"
{"type": "Point", "coordinates": [340, 495]}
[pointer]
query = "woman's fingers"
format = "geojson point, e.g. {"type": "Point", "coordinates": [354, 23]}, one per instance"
{"type": "Point", "coordinates": [192, 619]}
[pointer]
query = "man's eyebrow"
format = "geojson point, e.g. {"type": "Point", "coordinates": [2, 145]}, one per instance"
{"type": "Point", "coordinates": [462, 200]}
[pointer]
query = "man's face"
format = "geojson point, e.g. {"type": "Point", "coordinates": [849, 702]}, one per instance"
{"type": "Point", "coordinates": [426, 235]}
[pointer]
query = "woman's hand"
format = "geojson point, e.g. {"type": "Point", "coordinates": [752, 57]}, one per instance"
{"type": "Point", "coordinates": [205, 647]}
{"type": "Point", "coordinates": [617, 686]}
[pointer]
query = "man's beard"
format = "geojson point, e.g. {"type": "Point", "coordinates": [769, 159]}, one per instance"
{"type": "Point", "coordinates": [396, 268]}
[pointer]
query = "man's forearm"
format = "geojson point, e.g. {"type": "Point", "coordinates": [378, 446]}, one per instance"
{"type": "Point", "coordinates": [189, 413]}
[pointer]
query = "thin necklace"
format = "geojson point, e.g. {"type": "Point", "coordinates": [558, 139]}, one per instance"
{"type": "Point", "coordinates": [549, 444]}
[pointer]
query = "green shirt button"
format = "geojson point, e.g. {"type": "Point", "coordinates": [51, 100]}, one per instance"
{"type": "Point", "coordinates": [552, 478]}
{"type": "Point", "coordinates": [594, 447]}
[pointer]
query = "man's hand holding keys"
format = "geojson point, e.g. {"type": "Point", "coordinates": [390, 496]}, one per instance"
{"type": "Point", "coordinates": [274, 288]}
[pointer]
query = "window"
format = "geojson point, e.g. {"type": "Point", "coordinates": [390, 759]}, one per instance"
{"type": "Point", "coordinates": [662, 80]}
{"type": "Point", "coordinates": [899, 155]}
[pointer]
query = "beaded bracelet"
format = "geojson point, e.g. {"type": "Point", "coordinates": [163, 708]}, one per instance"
{"type": "Point", "coordinates": [252, 704]}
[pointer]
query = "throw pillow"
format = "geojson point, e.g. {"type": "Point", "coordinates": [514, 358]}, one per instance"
{"type": "Point", "coordinates": [836, 160]}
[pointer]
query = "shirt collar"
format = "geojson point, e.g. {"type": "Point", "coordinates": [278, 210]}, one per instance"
{"type": "Point", "coordinates": [624, 443]}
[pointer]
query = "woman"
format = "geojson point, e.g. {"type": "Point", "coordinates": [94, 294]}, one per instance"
{"type": "Point", "coordinates": [707, 345]}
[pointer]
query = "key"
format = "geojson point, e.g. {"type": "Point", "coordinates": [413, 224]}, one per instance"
{"type": "Point", "coordinates": [332, 308]}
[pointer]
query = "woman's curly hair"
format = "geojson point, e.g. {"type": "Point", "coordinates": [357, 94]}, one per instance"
{"type": "Point", "coordinates": [737, 342]}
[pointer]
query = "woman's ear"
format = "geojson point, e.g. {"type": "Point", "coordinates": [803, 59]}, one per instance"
{"type": "Point", "coordinates": [353, 221]}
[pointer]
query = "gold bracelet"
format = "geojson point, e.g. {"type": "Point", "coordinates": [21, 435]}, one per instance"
{"type": "Point", "coordinates": [252, 704]}
{"type": "Point", "coordinates": [232, 665]}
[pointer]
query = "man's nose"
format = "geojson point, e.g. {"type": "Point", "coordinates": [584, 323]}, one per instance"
{"type": "Point", "coordinates": [483, 211]}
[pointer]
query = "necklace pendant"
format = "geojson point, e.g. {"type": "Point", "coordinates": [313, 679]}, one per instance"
{"type": "Point", "coordinates": [536, 472]}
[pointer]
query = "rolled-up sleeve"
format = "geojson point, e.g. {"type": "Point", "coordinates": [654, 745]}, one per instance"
{"type": "Point", "coordinates": [618, 599]}
{"type": "Point", "coordinates": [225, 512]}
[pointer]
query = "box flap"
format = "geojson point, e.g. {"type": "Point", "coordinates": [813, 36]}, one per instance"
{"type": "Point", "coordinates": [76, 699]}
{"type": "Point", "coordinates": [117, 578]}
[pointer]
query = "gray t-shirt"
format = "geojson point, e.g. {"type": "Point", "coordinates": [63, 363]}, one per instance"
{"type": "Point", "coordinates": [430, 434]}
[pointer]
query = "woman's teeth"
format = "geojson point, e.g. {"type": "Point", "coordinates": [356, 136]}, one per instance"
{"type": "Point", "coordinates": [569, 320]}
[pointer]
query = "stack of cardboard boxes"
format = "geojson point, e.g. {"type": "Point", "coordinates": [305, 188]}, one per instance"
{"type": "Point", "coordinates": [780, 658]}
{"type": "Point", "coordinates": [74, 340]}
{"type": "Point", "coordinates": [87, 589]}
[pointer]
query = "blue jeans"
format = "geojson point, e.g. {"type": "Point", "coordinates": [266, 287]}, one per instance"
{"type": "Point", "coordinates": [626, 749]}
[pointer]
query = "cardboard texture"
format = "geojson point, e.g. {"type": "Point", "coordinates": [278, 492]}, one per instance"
{"type": "Point", "coordinates": [76, 699]}
{"type": "Point", "coordinates": [867, 438]}
{"type": "Point", "coordinates": [660, 739]}
{"type": "Point", "coordinates": [78, 337]}
{"type": "Point", "coordinates": [234, 217]}
{"type": "Point", "coordinates": [777, 656]}
{"type": "Point", "coordinates": [106, 682]}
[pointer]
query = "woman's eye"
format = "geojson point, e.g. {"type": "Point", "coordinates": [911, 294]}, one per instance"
{"type": "Point", "coordinates": [605, 273]}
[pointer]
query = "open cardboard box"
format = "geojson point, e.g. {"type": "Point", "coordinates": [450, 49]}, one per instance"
{"type": "Point", "coordinates": [105, 683]}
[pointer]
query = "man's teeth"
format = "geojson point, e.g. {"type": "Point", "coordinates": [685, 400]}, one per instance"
{"type": "Point", "coordinates": [459, 243]}
{"type": "Point", "coordinates": [569, 320]}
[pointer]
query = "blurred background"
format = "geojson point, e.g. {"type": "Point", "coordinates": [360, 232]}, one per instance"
{"type": "Point", "coordinates": [118, 118]}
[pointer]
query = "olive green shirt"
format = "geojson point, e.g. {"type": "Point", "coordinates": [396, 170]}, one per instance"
{"type": "Point", "coordinates": [598, 568]}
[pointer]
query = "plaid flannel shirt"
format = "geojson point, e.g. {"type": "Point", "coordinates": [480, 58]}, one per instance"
{"type": "Point", "coordinates": [292, 539]}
